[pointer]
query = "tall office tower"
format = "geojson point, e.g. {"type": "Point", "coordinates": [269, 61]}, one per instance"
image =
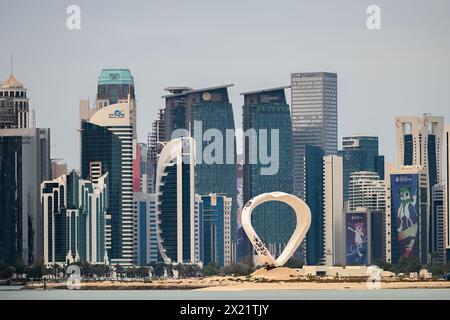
{"type": "Point", "coordinates": [154, 148]}
{"type": "Point", "coordinates": [215, 245]}
{"type": "Point", "coordinates": [143, 168]}
{"type": "Point", "coordinates": [24, 164]}
{"type": "Point", "coordinates": [438, 225]}
{"type": "Point", "coordinates": [333, 210]}
{"type": "Point", "coordinates": [360, 153]}
{"type": "Point", "coordinates": [145, 233]}
{"type": "Point", "coordinates": [176, 201]}
{"type": "Point", "coordinates": [420, 143]}
{"type": "Point", "coordinates": [314, 119]}
{"type": "Point", "coordinates": [358, 237]}
{"type": "Point", "coordinates": [407, 214]}
{"type": "Point", "coordinates": [268, 133]}
{"type": "Point", "coordinates": [14, 108]}
{"type": "Point", "coordinates": [137, 161]}
{"type": "Point", "coordinates": [314, 193]}
{"type": "Point", "coordinates": [74, 213]}
{"type": "Point", "coordinates": [107, 147]}
{"type": "Point", "coordinates": [198, 229]}
{"type": "Point", "coordinates": [368, 191]}
{"type": "Point", "coordinates": [242, 245]}
{"type": "Point", "coordinates": [198, 111]}
{"type": "Point", "coordinates": [447, 189]}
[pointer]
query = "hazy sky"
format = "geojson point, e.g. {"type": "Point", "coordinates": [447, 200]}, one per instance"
{"type": "Point", "coordinates": [402, 69]}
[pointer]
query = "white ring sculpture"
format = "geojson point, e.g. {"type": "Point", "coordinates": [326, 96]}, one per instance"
{"type": "Point", "coordinates": [302, 213]}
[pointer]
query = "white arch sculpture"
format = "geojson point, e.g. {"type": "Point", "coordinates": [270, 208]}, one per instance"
{"type": "Point", "coordinates": [302, 213]}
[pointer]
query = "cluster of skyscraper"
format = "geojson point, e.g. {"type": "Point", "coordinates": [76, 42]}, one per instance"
{"type": "Point", "coordinates": [133, 203]}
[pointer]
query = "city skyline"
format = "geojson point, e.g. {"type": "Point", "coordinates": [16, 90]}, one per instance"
{"type": "Point", "coordinates": [66, 71]}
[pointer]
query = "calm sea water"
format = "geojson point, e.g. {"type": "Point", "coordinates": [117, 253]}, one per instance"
{"type": "Point", "coordinates": [14, 293]}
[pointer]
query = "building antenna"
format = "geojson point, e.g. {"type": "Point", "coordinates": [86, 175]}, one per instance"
{"type": "Point", "coordinates": [11, 64]}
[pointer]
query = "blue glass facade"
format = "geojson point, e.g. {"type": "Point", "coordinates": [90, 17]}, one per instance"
{"type": "Point", "coordinates": [314, 192]}
{"type": "Point", "coordinates": [409, 150]}
{"type": "Point", "coordinates": [168, 213]}
{"type": "Point", "coordinates": [142, 260]}
{"type": "Point", "coordinates": [24, 164]}
{"type": "Point", "coordinates": [211, 109]}
{"type": "Point", "coordinates": [75, 212]}
{"type": "Point", "coordinates": [99, 144]}
{"type": "Point", "coordinates": [10, 200]}
{"type": "Point", "coordinates": [377, 226]}
{"type": "Point", "coordinates": [273, 221]}
{"type": "Point", "coordinates": [360, 153]}
{"type": "Point", "coordinates": [213, 229]}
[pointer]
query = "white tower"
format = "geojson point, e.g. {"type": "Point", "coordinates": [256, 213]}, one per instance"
{"type": "Point", "coordinates": [333, 207]}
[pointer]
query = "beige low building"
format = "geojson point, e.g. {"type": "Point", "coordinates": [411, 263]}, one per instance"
{"type": "Point", "coordinates": [349, 271]}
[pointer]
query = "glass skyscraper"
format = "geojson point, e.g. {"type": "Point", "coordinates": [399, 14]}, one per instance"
{"type": "Point", "coordinates": [314, 119]}
{"type": "Point", "coordinates": [145, 239]}
{"type": "Point", "coordinates": [74, 219]}
{"type": "Point", "coordinates": [215, 229]}
{"type": "Point", "coordinates": [314, 197]}
{"type": "Point", "coordinates": [24, 164]}
{"type": "Point", "coordinates": [199, 110]}
{"type": "Point", "coordinates": [176, 229]}
{"type": "Point", "coordinates": [267, 110]}
{"type": "Point", "coordinates": [107, 147]}
{"type": "Point", "coordinates": [360, 153]}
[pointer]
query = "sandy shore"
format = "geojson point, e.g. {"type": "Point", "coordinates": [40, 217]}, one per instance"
{"type": "Point", "coordinates": [241, 284]}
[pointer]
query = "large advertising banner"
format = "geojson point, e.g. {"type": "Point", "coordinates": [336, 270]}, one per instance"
{"type": "Point", "coordinates": [356, 240]}
{"type": "Point", "coordinates": [404, 193]}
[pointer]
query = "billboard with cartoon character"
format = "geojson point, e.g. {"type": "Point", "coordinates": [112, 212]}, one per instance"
{"type": "Point", "coordinates": [405, 217]}
{"type": "Point", "coordinates": [356, 239]}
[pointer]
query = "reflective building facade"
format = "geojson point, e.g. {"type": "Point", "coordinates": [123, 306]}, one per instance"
{"type": "Point", "coordinates": [314, 119]}
{"type": "Point", "coordinates": [107, 147]}
{"type": "Point", "coordinates": [196, 111]}
{"type": "Point", "coordinates": [24, 164]}
{"type": "Point", "coordinates": [145, 231]}
{"type": "Point", "coordinates": [360, 153]}
{"type": "Point", "coordinates": [74, 219]}
{"type": "Point", "coordinates": [176, 229]}
{"type": "Point", "coordinates": [315, 246]}
{"type": "Point", "coordinates": [268, 131]}
{"type": "Point", "coordinates": [215, 238]}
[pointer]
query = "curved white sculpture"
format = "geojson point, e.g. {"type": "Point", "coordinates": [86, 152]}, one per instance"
{"type": "Point", "coordinates": [302, 213]}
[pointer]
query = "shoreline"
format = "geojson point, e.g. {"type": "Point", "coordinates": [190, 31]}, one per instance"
{"type": "Point", "coordinates": [241, 284]}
